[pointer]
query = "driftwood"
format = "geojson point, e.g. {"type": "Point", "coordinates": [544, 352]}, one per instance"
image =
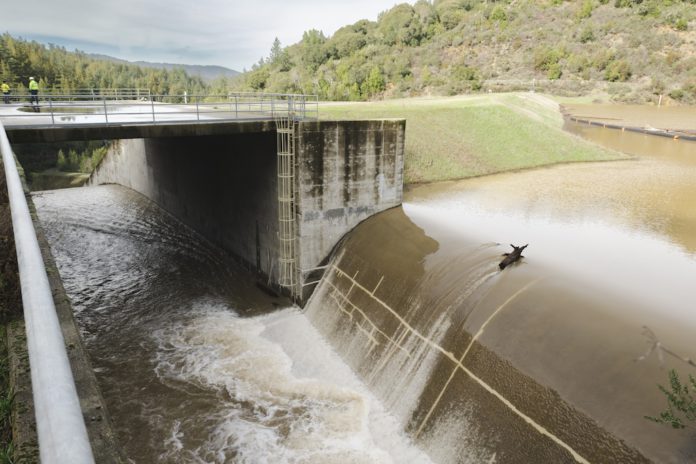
{"type": "Point", "coordinates": [512, 257]}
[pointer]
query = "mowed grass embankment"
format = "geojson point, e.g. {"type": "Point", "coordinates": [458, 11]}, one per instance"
{"type": "Point", "coordinates": [459, 137]}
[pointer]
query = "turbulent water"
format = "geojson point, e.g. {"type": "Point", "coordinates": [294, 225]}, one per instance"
{"type": "Point", "coordinates": [195, 363]}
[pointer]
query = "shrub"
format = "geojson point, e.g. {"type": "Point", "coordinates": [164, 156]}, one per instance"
{"type": "Point", "coordinates": [464, 78]}
{"type": "Point", "coordinates": [578, 63]}
{"type": "Point", "coordinates": [649, 9]}
{"type": "Point", "coordinates": [257, 79]}
{"type": "Point", "coordinates": [681, 402]}
{"type": "Point", "coordinates": [498, 14]}
{"type": "Point", "coordinates": [586, 9]}
{"type": "Point", "coordinates": [626, 3]}
{"type": "Point", "coordinates": [587, 35]}
{"type": "Point", "coordinates": [657, 87]}
{"type": "Point", "coordinates": [617, 71]}
{"type": "Point", "coordinates": [677, 94]}
{"type": "Point", "coordinates": [546, 57]}
{"type": "Point", "coordinates": [554, 71]}
{"type": "Point", "coordinates": [602, 59]}
{"type": "Point", "coordinates": [681, 24]}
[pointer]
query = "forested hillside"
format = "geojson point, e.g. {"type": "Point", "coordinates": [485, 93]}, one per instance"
{"type": "Point", "coordinates": [633, 49]}
{"type": "Point", "coordinates": [58, 69]}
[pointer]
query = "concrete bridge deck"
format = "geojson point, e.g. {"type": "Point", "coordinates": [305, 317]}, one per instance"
{"type": "Point", "coordinates": [40, 132]}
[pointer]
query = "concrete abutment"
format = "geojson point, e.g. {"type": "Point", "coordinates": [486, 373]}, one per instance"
{"type": "Point", "coordinates": [225, 185]}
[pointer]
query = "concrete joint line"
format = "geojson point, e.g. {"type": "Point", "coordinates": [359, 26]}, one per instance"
{"type": "Point", "coordinates": [459, 362]}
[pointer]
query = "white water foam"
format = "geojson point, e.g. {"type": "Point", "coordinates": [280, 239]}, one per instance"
{"type": "Point", "coordinates": [454, 437]}
{"type": "Point", "coordinates": [285, 396]}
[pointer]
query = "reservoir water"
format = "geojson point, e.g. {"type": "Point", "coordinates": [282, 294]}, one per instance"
{"type": "Point", "coordinates": [415, 347]}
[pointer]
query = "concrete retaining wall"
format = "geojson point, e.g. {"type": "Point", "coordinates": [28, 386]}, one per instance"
{"type": "Point", "coordinates": [225, 186]}
{"type": "Point", "coordinates": [347, 171]}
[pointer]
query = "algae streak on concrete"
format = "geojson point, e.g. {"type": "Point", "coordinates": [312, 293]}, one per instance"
{"type": "Point", "coordinates": [466, 136]}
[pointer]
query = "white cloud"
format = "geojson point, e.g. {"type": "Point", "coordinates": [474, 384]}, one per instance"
{"type": "Point", "coordinates": [228, 33]}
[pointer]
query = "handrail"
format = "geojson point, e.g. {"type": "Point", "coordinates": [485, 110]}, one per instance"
{"type": "Point", "coordinates": [60, 425]}
{"type": "Point", "coordinates": [86, 109]}
{"type": "Point", "coordinates": [120, 93]}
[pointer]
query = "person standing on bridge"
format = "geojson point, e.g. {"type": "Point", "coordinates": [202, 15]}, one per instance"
{"type": "Point", "coordinates": [34, 91]}
{"type": "Point", "coordinates": [5, 92]}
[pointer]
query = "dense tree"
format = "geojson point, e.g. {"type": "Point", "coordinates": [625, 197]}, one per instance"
{"type": "Point", "coordinates": [400, 25]}
{"type": "Point", "coordinates": [57, 69]}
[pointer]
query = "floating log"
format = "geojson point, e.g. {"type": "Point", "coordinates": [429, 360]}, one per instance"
{"type": "Point", "coordinates": [512, 257]}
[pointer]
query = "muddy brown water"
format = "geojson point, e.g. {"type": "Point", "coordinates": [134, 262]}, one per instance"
{"type": "Point", "coordinates": [554, 373]}
{"type": "Point", "coordinates": [538, 363]}
{"type": "Point", "coordinates": [675, 118]}
{"type": "Point", "coordinates": [195, 363]}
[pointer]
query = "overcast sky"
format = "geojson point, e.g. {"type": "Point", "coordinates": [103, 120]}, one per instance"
{"type": "Point", "coordinates": [230, 33]}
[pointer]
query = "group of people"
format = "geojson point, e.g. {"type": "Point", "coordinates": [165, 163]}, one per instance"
{"type": "Point", "coordinates": [33, 92]}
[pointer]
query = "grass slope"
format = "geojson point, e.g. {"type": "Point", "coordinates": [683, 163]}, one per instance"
{"type": "Point", "coordinates": [459, 137]}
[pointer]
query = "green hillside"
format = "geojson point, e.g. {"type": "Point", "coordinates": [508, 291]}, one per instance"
{"type": "Point", "coordinates": [458, 137]}
{"type": "Point", "coordinates": [630, 50]}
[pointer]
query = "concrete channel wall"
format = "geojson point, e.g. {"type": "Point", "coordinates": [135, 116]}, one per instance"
{"type": "Point", "coordinates": [225, 186]}
{"type": "Point", "coordinates": [347, 172]}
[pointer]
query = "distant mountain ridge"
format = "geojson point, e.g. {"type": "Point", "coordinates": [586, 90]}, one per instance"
{"type": "Point", "coordinates": [206, 72]}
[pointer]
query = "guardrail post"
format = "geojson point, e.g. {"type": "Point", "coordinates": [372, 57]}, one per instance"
{"type": "Point", "coordinates": [236, 107]}
{"type": "Point", "coordinates": [152, 103]}
{"type": "Point", "coordinates": [50, 108]}
{"type": "Point", "coordinates": [106, 116]}
{"type": "Point", "coordinates": [198, 116]}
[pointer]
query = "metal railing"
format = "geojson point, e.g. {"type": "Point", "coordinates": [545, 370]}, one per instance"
{"type": "Point", "coordinates": [61, 429]}
{"type": "Point", "coordinates": [85, 109]}
{"type": "Point", "coordinates": [88, 94]}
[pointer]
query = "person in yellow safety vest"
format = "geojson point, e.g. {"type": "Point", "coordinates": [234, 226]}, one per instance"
{"type": "Point", "coordinates": [34, 91]}
{"type": "Point", "coordinates": [5, 92]}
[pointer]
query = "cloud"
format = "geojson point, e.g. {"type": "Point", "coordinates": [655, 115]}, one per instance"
{"type": "Point", "coordinates": [228, 33]}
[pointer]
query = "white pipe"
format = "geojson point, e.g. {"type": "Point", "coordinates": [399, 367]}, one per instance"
{"type": "Point", "coordinates": [59, 422]}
